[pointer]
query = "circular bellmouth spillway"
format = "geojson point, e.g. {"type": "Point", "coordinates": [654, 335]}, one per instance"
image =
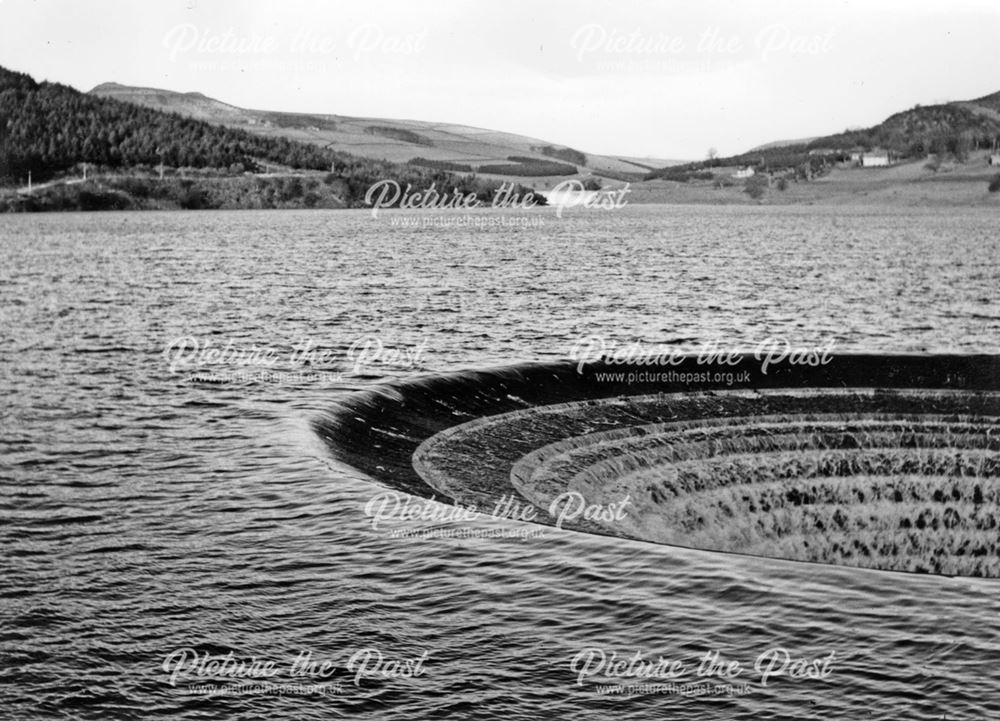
{"type": "Point", "coordinates": [884, 462]}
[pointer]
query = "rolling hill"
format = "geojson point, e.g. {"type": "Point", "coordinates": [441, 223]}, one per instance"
{"type": "Point", "coordinates": [946, 130]}
{"type": "Point", "coordinates": [63, 149]}
{"type": "Point", "coordinates": [398, 141]}
{"type": "Point", "coordinates": [150, 148]}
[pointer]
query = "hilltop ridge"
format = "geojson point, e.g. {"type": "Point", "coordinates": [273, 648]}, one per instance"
{"type": "Point", "coordinates": [441, 144]}
{"type": "Point", "coordinates": [139, 157]}
{"type": "Point", "coordinates": [146, 147]}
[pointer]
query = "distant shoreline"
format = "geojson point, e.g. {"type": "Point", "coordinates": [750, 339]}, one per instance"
{"type": "Point", "coordinates": [909, 184]}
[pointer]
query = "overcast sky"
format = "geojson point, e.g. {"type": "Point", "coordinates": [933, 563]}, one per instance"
{"type": "Point", "coordinates": [643, 78]}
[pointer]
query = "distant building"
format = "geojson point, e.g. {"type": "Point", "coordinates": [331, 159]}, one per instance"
{"type": "Point", "coordinates": [856, 155]}
{"type": "Point", "coordinates": [995, 159]}
{"type": "Point", "coordinates": [875, 159]}
{"type": "Point", "coordinates": [747, 172]}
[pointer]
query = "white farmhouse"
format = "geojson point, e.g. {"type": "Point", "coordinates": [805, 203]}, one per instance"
{"type": "Point", "coordinates": [875, 159]}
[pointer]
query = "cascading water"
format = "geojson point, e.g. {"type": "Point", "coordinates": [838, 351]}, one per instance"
{"type": "Point", "coordinates": [881, 462]}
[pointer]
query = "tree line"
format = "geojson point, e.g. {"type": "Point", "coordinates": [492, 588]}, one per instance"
{"type": "Point", "coordinates": [48, 129]}
{"type": "Point", "coordinates": [942, 130]}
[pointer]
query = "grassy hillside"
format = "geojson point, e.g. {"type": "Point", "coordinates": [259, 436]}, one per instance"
{"type": "Point", "coordinates": [913, 183]}
{"type": "Point", "coordinates": [216, 155]}
{"type": "Point", "coordinates": [950, 131]}
{"type": "Point", "coordinates": [53, 131]}
{"type": "Point", "coordinates": [399, 141]}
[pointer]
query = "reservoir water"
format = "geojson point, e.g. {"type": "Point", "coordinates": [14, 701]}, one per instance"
{"type": "Point", "coordinates": [164, 497]}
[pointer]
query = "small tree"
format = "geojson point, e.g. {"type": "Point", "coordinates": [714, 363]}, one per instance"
{"type": "Point", "coordinates": [755, 187]}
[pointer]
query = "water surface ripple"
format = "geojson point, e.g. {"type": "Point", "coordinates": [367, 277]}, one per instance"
{"type": "Point", "coordinates": [144, 511]}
